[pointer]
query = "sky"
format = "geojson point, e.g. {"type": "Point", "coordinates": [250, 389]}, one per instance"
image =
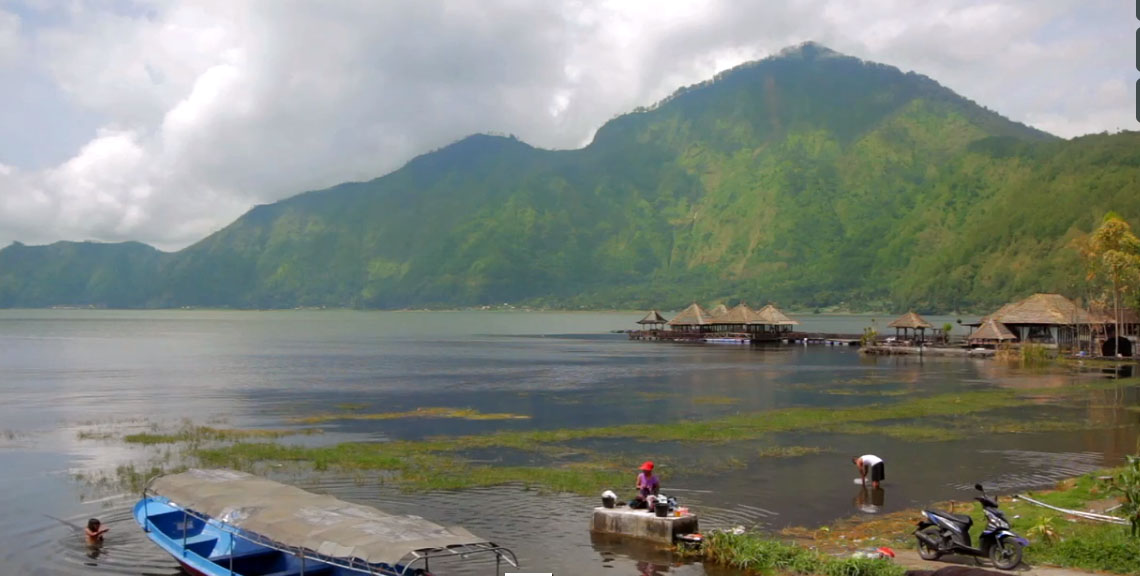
{"type": "Point", "coordinates": [162, 122]}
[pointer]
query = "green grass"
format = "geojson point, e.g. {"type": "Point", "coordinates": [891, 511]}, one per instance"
{"type": "Point", "coordinates": [1101, 547]}
{"type": "Point", "coordinates": [411, 467]}
{"type": "Point", "coordinates": [757, 554]}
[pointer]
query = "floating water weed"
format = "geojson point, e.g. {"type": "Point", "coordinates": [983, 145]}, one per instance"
{"type": "Point", "coordinates": [790, 451]}
{"type": "Point", "coordinates": [191, 434]}
{"type": "Point", "coordinates": [715, 400]}
{"type": "Point", "coordinates": [433, 412]}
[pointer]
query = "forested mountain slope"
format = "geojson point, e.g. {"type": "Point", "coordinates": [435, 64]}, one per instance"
{"type": "Point", "coordinates": [809, 179]}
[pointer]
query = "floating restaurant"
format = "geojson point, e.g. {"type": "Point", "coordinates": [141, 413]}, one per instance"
{"type": "Point", "coordinates": [738, 325]}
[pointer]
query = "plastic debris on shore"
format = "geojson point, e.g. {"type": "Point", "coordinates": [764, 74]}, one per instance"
{"type": "Point", "coordinates": [880, 552]}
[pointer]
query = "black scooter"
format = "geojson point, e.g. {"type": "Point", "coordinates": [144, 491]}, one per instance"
{"type": "Point", "coordinates": [944, 533]}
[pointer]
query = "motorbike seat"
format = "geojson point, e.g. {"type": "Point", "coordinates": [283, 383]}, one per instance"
{"type": "Point", "coordinates": [962, 518]}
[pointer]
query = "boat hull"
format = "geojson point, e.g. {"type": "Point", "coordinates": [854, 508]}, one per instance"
{"type": "Point", "coordinates": [211, 548]}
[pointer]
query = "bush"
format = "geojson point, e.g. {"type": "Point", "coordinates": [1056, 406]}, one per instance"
{"type": "Point", "coordinates": [1127, 484]}
{"type": "Point", "coordinates": [1100, 547]}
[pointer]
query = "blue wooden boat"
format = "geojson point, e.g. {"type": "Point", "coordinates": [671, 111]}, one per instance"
{"type": "Point", "coordinates": [227, 523]}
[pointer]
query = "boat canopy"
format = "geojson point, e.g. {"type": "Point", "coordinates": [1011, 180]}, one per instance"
{"type": "Point", "coordinates": [296, 518]}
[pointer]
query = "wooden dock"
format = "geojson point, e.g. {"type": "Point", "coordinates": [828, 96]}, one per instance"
{"type": "Point", "coordinates": [879, 350]}
{"type": "Point", "coordinates": [824, 338]}
{"type": "Point", "coordinates": [748, 337]}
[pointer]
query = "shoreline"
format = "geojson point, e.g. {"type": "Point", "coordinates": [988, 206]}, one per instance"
{"type": "Point", "coordinates": [486, 308]}
{"type": "Point", "coordinates": [1057, 541]}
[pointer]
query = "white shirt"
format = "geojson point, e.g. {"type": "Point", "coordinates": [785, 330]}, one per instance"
{"type": "Point", "coordinates": [870, 460]}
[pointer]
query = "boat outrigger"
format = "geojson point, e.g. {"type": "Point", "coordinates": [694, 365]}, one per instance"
{"type": "Point", "coordinates": [227, 523]}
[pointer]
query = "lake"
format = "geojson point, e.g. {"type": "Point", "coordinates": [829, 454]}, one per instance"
{"type": "Point", "coordinates": [74, 381]}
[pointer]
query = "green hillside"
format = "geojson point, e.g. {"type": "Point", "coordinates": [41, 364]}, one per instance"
{"type": "Point", "coordinates": [78, 274]}
{"type": "Point", "coordinates": [809, 179]}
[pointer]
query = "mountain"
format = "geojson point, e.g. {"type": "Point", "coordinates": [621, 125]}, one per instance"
{"type": "Point", "coordinates": [809, 178]}
{"type": "Point", "coordinates": [78, 274]}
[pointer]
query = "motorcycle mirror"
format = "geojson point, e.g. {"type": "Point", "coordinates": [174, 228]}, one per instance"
{"type": "Point", "coordinates": [978, 487]}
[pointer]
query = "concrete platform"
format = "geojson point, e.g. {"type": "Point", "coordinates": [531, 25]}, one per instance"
{"type": "Point", "coordinates": [642, 524]}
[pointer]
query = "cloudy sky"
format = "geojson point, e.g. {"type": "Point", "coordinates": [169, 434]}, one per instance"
{"type": "Point", "coordinates": [163, 121]}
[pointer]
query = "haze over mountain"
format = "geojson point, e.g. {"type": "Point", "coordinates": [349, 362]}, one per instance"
{"type": "Point", "coordinates": [809, 178]}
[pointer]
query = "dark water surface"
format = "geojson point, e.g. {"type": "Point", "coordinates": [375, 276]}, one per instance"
{"type": "Point", "coordinates": [68, 376]}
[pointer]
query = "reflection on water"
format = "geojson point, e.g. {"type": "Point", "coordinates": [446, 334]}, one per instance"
{"type": "Point", "coordinates": [870, 500]}
{"type": "Point", "coordinates": [93, 552]}
{"type": "Point", "coordinates": [100, 374]}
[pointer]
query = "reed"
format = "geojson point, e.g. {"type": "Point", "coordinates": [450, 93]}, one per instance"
{"type": "Point", "coordinates": [1035, 355]}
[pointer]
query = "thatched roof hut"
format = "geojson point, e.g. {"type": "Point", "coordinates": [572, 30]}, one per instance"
{"type": "Point", "coordinates": [739, 315]}
{"type": "Point", "coordinates": [691, 318]}
{"type": "Point", "coordinates": [716, 313]}
{"type": "Point", "coordinates": [1041, 309]}
{"type": "Point", "coordinates": [653, 318]}
{"type": "Point", "coordinates": [910, 320]}
{"type": "Point", "coordinates": [773, 316]}
{"type": "Point", "coordinates": [991, 332]}
{"type": "Point", "coordinates": [1049, 319]}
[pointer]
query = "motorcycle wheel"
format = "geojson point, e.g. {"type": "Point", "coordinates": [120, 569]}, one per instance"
{"type": "Point", "coordinates": [924, 549]}
{"type": "Point", "coordinates": [1006, 554]}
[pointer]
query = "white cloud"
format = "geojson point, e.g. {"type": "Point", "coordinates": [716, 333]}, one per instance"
{"type": "Point", "coordinates": [11, 43]}
{"type": "Point", "coordinates": [212, 106]}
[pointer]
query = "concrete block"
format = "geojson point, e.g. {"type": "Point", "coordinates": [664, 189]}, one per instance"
{"type": "Point", "coordinates": [642, 524]}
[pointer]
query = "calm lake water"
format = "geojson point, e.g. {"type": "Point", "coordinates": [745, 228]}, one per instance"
{"type": "Point", "coordinates": [64, 373]}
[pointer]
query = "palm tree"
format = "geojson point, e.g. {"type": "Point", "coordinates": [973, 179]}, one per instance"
{"type": "Point", "coordinates": [1113, 254]}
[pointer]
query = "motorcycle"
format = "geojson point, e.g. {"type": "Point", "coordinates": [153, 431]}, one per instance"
{"type": "Point", "coordinates": [940, 533]}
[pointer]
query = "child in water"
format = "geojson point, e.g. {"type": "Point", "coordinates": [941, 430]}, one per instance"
{"type": "Point", "coordinates": [95, 531]}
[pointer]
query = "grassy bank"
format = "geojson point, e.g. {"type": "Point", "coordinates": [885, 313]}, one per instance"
{"type": "Point", "coordinates": [1056, 539]}
{"type": "Point", "coordinates": [759, 555]}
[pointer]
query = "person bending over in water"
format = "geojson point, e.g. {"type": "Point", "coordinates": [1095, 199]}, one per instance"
{"type": "Point", "coordinates": [873, 464]}
{"type": "Point", "coordinates": [647, 485]}
{"type": "Point", "coordinates": [95, 531]}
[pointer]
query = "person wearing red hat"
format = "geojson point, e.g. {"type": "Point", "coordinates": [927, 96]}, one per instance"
{"type": "Point", "coordinates": [647, 485]}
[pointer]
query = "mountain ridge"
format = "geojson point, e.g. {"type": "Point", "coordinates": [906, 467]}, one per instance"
{"type": "Point", "coordinates": [798, 177]}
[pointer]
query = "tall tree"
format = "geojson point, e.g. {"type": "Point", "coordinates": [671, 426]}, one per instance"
{"type": "Point", "coordinates": [1113, 255]}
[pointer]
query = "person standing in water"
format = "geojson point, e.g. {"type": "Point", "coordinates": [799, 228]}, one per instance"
{"type": "Point", "coordinates": [647, 486]}
{"type": "Point", "coordinates": [872, 464]}
{"type": "Point", "coordinates": [94, 532]}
